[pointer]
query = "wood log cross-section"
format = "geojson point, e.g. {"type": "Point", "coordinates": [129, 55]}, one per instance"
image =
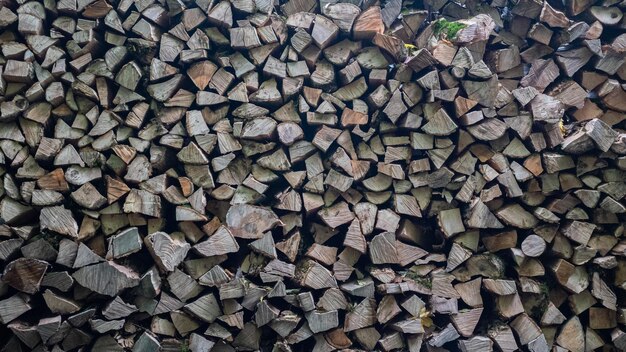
{"type": "Point", "coordinates": [239, 175]}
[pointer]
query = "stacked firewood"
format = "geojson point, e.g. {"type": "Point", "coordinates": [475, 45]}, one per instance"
{"type": "Point", "coordinates": [246, 175]}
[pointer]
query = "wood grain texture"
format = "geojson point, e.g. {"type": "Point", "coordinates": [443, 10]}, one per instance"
{"type": "Point", "coordinates": [242, 175]}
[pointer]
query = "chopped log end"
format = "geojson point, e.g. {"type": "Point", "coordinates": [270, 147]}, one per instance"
{"type": "Point", "coordinates": [256, 175]}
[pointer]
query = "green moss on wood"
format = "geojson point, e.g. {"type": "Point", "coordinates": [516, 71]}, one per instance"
{"type": "Point", "coordinates": [184, 347]}
{"type": "Point", "coordinates": [422, 280]}
{"type": "Point", "coordinates": [446, 29]}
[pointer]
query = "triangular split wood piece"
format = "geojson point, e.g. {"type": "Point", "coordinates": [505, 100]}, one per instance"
{"type": "Point", "coordinates": [239, 175]}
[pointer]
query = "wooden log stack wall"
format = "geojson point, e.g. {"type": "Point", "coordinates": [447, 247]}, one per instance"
{"type": "Point", "coordinates": [303, 175]}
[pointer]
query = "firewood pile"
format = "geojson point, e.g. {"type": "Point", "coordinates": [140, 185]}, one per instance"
{"type": "Point", "coordinates": [297, 175]}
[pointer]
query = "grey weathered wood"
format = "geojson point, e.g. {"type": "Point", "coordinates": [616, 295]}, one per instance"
{"type": "Point", "coordinates": [59, 219]}
{"type": "Point", "coordinates": [166, 251]}
{"type": "Point", "coordinates": [293, 146]}
{"type": "Point", "coordinates": [221, 242]}
{"type": "Point", "coordinates": [106, 278]}
{"type": "Point", "coordinates": [125, 243]}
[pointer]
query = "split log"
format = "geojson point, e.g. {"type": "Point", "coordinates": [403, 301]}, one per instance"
{"type": "Point", "coordinates": [292, 145]}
